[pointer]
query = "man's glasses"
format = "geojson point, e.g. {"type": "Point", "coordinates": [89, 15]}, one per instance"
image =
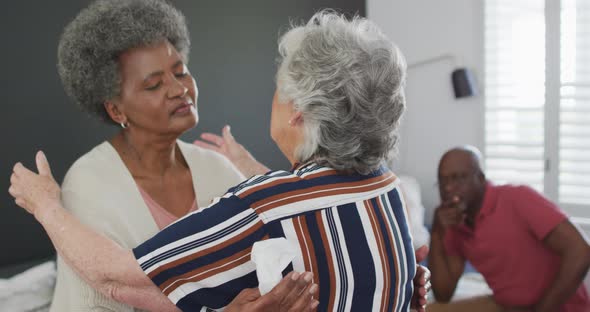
{"type": "Point", "coordinates": [455, 179]}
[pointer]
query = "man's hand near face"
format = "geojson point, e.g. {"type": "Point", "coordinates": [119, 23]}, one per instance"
{"type": "Point", "coordinates": [450, 213]}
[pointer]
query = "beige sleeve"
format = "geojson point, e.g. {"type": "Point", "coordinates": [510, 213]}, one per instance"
{"type": "Point", "coordinates": [72, 293]}
{"type": "Point", "coordinates": [214, 175]}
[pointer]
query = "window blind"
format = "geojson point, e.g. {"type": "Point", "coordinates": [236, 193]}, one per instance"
{"type": "Point", "coordinates": [574, 123]}
{"type": "Point", "coordinates": [515, 91]}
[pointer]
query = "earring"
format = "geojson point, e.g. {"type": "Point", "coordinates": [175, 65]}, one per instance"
{"type": "Point", "coordinates": [124, 125]}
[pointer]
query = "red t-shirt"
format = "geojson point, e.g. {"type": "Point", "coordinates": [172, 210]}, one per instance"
{"type": "Point", "coordinates": [506, 246]}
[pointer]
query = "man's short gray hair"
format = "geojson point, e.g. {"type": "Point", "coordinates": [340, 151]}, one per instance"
{"type": "Point", "coordinates": [91, 44]}
{"type": "Point", "coordinates": [347, 79]}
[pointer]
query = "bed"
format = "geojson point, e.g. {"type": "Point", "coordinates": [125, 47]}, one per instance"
{"type": "Point", "coordinates": [30, 290]}
{"type": "Point", "coordinates": [27, 266]}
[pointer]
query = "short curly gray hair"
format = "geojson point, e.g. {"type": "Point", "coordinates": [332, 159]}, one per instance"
{"type": "Point", "coordinates": [347, 79]}
{"type": "Point", "coordinates": [91, 44]}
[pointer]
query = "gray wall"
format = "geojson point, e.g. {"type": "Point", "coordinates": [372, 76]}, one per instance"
{"type": "Point", "coordinates": [233, 60]}
{"type": "Point", "coordinates": [437, 28]}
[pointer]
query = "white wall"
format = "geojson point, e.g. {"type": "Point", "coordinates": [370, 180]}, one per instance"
{"type": "Point", "coordinates": [434, 120]}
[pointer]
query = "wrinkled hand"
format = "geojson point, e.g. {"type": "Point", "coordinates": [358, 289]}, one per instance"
{"type": "Point", "coordinates": [227, 145]}
{"type": "Point", "coordinates": [421, 282]}
{"type": "Point", "coordinates": [294, 293]}
{"type": "Point", "coordinates": [451, 212]}
{"type": "Point", "coordinates": [34, 192]}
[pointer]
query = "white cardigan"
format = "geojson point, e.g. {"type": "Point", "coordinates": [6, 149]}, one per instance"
{"type": "Point", "coordinates": [100, 191]}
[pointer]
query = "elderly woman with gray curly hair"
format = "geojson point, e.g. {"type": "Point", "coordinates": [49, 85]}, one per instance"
{"type": "Point", "coordinates": [335, 116]}
{"type": "Point", "coordinates": [125, 62]}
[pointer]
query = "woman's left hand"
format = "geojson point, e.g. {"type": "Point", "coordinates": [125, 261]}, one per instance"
{"type": "Point", "coordinates": [34, 192]}
{"type": "Point", "coordinates": [421, 282]}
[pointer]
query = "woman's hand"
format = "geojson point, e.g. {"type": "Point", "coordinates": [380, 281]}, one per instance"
{"type": "Point", "coordinates": [227, 145]}
{"type": "Point", "coordinates": [34, 192]}
{"type": "Point", "coordinates": [294, 293]}
{"type": "Point", "coordinates": [421, 282]}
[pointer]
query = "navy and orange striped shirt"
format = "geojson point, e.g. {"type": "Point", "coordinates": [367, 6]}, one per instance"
{"type": "Point", "coordinates": [351, 230]}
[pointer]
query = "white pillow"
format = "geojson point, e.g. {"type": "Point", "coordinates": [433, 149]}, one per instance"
{"type": "Point", "coordinates": [413, 199]}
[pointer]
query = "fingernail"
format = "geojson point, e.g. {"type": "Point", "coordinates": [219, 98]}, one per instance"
{"type": "Point", "coordinates": [295, 276]}
{"type": "Point", "coordinates": [308, 276]}
{"type": "Point", "coordinates": [315, 304]}
{"type": "Point", "coordinates": [313, 289]}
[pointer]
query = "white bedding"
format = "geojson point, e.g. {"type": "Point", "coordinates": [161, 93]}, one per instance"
{"type": "Point", "coordinates": [31, 290]}
{"type": "Point", "coordinates": [469, 285]}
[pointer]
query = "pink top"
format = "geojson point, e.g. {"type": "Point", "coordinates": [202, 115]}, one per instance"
{"type": "Point", "coordinates": [506, 246]}
{"type": "Point", "coordinates": [162, 216]}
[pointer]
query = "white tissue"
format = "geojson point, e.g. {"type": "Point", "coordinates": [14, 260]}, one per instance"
{"type": "Point", "coordinates": [271, 257]}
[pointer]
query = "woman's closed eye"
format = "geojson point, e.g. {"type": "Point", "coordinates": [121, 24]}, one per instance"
{"type": "Point", "coordinates": [154, 86]}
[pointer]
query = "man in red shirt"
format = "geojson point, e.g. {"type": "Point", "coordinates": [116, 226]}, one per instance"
{"type": "Point", "coordinates": [530, 255]}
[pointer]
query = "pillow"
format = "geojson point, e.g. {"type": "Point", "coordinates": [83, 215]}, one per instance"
{"type": "Point", "coordinates": [411, 192]}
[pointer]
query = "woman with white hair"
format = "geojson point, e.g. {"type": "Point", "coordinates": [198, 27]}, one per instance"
{"type": "Point", "coordinates": [334, 116]}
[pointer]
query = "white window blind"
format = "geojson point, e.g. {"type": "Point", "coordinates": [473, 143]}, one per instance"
{"type": "Point", "coordinates": [574, 128]}
{"type": "Point", "coordinates": [515, 91]}
{"type": "Point", "coordinates": [537, 62]}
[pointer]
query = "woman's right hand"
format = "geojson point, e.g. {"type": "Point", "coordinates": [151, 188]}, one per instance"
{"type": "Point", "coordinates": [227, 145]}
{"type": "Point", "coordinates": [34, 192]}
{"type": "Point", "coordinates": [295, 293]}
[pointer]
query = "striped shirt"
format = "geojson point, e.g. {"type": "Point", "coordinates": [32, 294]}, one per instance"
{"type": "Point", "coordinates": [351, 232]}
